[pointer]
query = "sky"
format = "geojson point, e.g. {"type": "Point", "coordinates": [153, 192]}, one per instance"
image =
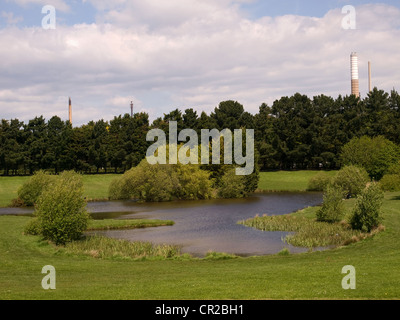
{"type": "Point", "coordinates": [164, 55]}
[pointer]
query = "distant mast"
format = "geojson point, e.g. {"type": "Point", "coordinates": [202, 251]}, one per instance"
{"type": "Point", "coordinates": [70, 111]}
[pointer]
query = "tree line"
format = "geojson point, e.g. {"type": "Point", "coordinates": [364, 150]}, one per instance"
{"type": "Point", "coordinates": [296, 132]}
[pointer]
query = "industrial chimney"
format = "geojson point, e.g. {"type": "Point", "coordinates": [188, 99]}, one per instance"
{"type": "Point", "coordinates": [70, 111]}
{"type": "Point", "coordinates": [355, 84]}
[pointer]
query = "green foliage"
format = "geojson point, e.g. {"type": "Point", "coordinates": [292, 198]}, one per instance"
{"type": "Point", "coordinates": [375, 154]}
{"type": "Point", "coordinates": [333, 207]}
{"type": "Point", "coordinates": [394, 168]}
{"type": "Point", "coordinates": [162, 183]}
{"type": "Point", "coordinates": [231, 185]}
{"type": "Point", "coordinates": [284, 252]}
{"type": "Point", "coordinates": [61, 209]}
{"type": "Point", "coordinates": [390, 182]}
{"type": "Point", "coordinates": [107, 248]}
{"type": "Point", "coordinates": [351, 180]}
{"type": "Point", "coordinates": [30, 191]}
{"type": "Point", "coordinates": [319, 181]}
{"type": "Point", "coordinates": [366, 214]}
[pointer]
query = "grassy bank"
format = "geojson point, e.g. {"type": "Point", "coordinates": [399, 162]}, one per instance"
{"type": "Point", "coordinates": [314, 275]}
{"type": "Point", "coordinates": [287, 180]}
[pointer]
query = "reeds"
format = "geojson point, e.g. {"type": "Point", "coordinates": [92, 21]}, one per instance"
{"type": "Point", "coordinates": [309, 233]}
{"type": "Point", "coordinates": [104, 248]}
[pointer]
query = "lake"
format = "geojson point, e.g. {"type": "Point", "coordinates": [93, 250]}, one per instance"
{"type": "Point", "coordinates": [206, 225]}
{"type": "Point", "coordinates": [209, 225]}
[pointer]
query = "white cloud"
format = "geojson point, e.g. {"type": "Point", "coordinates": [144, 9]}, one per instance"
{"type": "Point", "coordinates": [189, 56]}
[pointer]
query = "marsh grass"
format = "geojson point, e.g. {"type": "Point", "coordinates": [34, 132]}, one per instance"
{"type": "Point", "coordinates": [108, 248]}
{"type": "Point", "coordinates": [110, 224]}
{"type": "Point", "coordinates": [308, 232]}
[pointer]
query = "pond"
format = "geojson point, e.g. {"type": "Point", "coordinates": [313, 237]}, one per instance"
{"type": "Point", "coordinates": [203, 226]}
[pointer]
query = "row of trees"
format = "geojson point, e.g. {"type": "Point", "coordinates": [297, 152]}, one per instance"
{"type": "Point", "coordinates": [296, 132]}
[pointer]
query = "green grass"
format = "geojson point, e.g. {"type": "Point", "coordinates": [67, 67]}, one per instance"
{"type": "Point", "coordinates": [287, 180]}
{"type": "Point", "coordinates": [110, 224]}
{"type": "Point", "coordinates": [107, 248]}
{"type": "Point", "coordinates": [315, 275]}
{"type": "Point", "coordinates": [95, 187]}
{"type": "Point", "coordinates": [8, 189]}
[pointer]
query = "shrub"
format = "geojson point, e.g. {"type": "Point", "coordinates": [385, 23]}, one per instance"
{"type": "Point", "coordinates": [351, 179]}
{"type": "Point", "coordinates": [366, 214]}
{"type": "Point", "coordinates": [32, 189]}
{"type": "Point", "coordinates": [333, 207]}
{"type": "Point", "coordinates": [319, 181]}
{"type": "Point", "coordinates": [33, 227]}
{"type": "Point", "coordinates": [390, 182]}
{"type": "Point", "coordinates": [162, 183]}
{"type": "Point", "coordinates": [61, 209]}
{"type": "Point", "coordinates": [231, 185]}
{"type": "Point", "coordinates": [375, 154]}
{"type": "Point", "coordinates": [394, 168]}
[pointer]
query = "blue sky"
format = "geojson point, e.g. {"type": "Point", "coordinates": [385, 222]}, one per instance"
{"type": "Point", "coordinates": [84, 12]}
{"type": "Point", "coordinates": [315, 8]}
{"type": "Point", "coordinates": [183, 54]}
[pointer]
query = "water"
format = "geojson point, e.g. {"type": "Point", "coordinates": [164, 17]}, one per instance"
{"type": "Point", "coordinates": [203, 226]}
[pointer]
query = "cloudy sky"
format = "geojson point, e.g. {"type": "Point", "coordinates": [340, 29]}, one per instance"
{"type": "Point", "coordinates": [183, 54]}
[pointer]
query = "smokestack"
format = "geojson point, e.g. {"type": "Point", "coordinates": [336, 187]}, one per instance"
{"type": "Point", "coordinates": [355, 84]}
{"type": "Point", "coordinates": [70, 111]}
{"type": "Point", "coordinates": [131, 109]}
{"type": "Point", "coordinates": [369, 77]}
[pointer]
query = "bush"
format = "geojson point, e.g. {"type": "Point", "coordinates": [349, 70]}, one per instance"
{"type": "Point", "coordinates": [231, 185]}
{"type": "Point", "coordinates": [333, 207]}
{"type": "Point", "coordinates": [352, 180]}
{"type": "Point", "coordinates": [394, 168]}
{"type": "Point", "coordinates": [61, 210]}
{"type": "Point", "coordinates": [390, 182]}
{"type": "Point", "coordinates": [366, 214]}
{"type": "Point", "coordinates": [319, 181]}
{"type": "Point", "coordinates": [32, 189]}
{"type": "Point", "coordinates": [376, 154]}
{"type": "Point", "coordinates": [162, 183]}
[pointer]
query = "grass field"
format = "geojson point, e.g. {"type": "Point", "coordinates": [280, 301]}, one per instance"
{"type": "Point", "coordinates": [287, 180]}
{"type": "Point", "coordinates": [316, 275]}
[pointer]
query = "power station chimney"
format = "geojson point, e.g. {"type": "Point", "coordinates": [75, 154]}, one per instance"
{"type": "Point", "coordinates": [131, 109]}
{"type": "Point", "coordinates": [355, 84]}
{"type": "Point", "coordinates": [70, 111]}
